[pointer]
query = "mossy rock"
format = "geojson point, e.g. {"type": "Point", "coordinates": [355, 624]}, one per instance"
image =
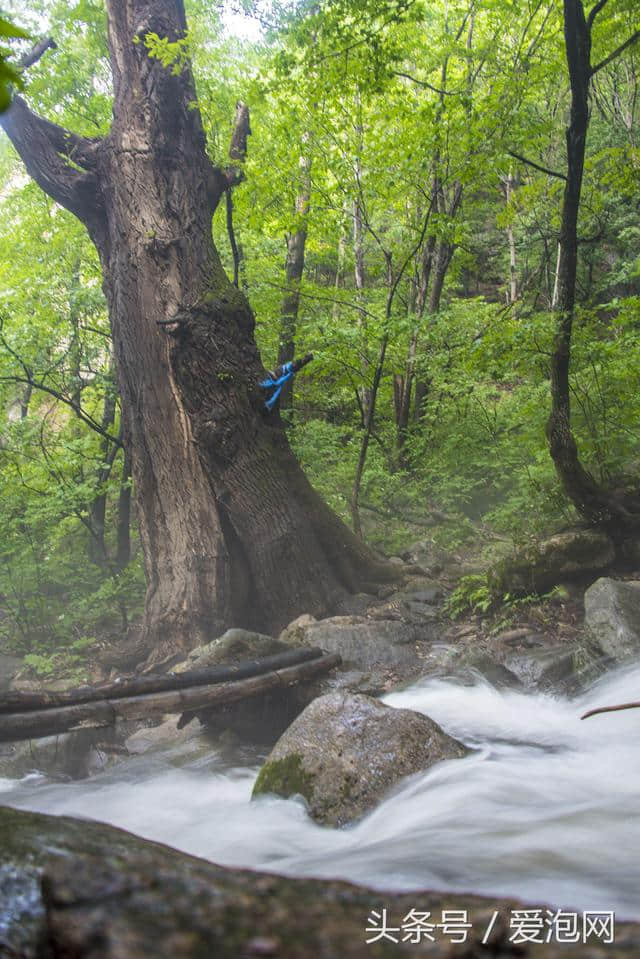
{"type": "Point", "coordinates": [567, 556]}
{"type": "Point", "coordinates": [346, 751]}
{"type": "Point", "coordinates": [285, 777]}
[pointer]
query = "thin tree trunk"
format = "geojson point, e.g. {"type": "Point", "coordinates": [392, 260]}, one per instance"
{"type": "Point", "coordinates": [556, 281]}
{"type": "Point", "coordinates": [98, 508]}
{"type": "Point", "coordinates": [422, 387]}
{"type": "Point", "coordinates": [25, 400]}
{"type": "Point", "coordinates": [294, 269]}
{"type": "Point", "coordinates": [513, 276]}
{"type": "Point", "coordinates": [342, 246]}
{"type": "Point", "coordinates": [359, 275]}
{"type": "Point", "coordinates": [123, 524]}
{"type": "Point", "coordinates": [366, 437]}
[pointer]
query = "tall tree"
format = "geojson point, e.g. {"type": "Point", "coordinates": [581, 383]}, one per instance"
{"type": "Point", "coordinates": [232, 532]}
{"type": "Point", "coordinates": [593, 501]}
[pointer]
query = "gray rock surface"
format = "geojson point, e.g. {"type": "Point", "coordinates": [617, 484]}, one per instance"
{"type": "Point", "coordinates": [83, 890]}
{"type": "Point", "coordinates": [361, 642]}
{"type": "Point", "coordinates": [612, 617]}
{"type": "Point", "coordinates": [166, 734]}
{"type": "Point", "coordinates": [232, 647]}
{"type": "Point", "coordinates": [544, 668]}
{"type": "Point", "coordinates": [344, 752]}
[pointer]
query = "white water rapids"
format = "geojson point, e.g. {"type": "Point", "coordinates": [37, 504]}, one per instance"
{"type": "Point", "coordinates": [546, 807]}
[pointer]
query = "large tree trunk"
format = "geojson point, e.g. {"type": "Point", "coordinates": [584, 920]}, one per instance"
{"type": "Point", "coordinates": [232, 532]}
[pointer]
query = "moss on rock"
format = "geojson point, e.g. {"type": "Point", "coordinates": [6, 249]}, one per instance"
{"type": "Point", "coordinates": [284, 777]}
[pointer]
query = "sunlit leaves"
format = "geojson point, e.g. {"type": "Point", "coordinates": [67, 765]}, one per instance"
{"type": "Point", "coordinates": [9, 75]}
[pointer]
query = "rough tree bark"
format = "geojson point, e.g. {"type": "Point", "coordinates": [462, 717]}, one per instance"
{"type": "Point", "coordinates": [616, 511]}
{"type": "Point", "coordinates": [231, 530]}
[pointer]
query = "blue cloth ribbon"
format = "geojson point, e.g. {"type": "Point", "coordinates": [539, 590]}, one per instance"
{"type": "Point", "coordinates": [276, 385]}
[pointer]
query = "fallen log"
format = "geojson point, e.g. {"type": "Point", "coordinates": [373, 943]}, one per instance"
{"type": "Point", "coordinates": [63, 719]}
{"type": "Point", "coordinates": [143, 685]}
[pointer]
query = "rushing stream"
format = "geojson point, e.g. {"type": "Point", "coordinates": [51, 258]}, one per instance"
{"type": "Point", "coordinates": [545, 808]}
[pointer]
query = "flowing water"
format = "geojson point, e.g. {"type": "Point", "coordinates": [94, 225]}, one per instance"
{"type": "Point", "coordinates": [544, 808]}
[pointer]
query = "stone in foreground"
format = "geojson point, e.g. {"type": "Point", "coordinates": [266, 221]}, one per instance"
{"type": "Point", "coordinates": [344, 753]}
{"type": "Point", "coordinates": [70, 888]}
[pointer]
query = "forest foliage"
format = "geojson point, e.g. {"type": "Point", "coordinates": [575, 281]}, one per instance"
{"type": "Point", "coordinates": [414, 148]}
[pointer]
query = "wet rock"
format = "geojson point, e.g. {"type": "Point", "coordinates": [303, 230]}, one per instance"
{"type": "Point", "coordinates": [612, 617]}
{"type": "Point", "coordinates": [81, 889]}
{"type": "Point", "coordinates": [68, 756]}
{"type": "Point", "coordinates": [367, 682]}
{"type": "Point", "coordinates": [544, 669]}
{"type": "Point", "coordinates": [494, 672]}
{"type": "Point", "coordinates": [232, 647]}
{"type": "Point", "coordinates": [441, 659]}
{"type": "Point", "coordinates": [167, 733]}
{"type": "Point", "coordinates": [565, 556]}
{"type": "Point", "coordinates": [344, 752]}
{"type": "Point", "coordinates": [363, 643]}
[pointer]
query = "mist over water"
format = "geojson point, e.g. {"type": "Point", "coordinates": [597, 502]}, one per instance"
{"type": "Point", "coordinates": [544, 808]}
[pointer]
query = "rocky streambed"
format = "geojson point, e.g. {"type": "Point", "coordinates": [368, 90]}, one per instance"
{"type": "Point", "coordinates": [481, 777]}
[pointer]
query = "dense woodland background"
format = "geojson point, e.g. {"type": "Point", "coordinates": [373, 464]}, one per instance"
{"type": "Point", "coordinates": [399, 218]}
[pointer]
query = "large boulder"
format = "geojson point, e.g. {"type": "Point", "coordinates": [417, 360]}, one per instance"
{"type": "Point", "coordinates": [344, 752]}
{"type": "Point", "coordinates": [361, 642]}
{"type": "Point", "coordinates": [565, 556]}
{"type": "Point", "coordinates": [612, 617]}
{"type": "Point", "coordinates": [75, 888]}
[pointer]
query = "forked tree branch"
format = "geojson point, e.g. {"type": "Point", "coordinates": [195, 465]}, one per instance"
{"type": "Point", "coordinates": [62, 163]}
{"type": "Point", "coordinates": [223, 179]}
{"type": "Point", "coordinates": [595, 10]}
